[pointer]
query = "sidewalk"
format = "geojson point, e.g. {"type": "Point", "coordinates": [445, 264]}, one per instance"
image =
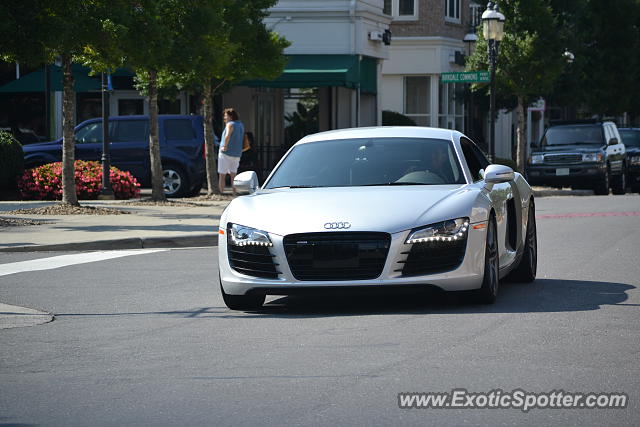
{"type": "Point", "coordinates": [189, 223]}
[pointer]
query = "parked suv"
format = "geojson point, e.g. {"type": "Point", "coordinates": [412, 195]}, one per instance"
{"type": "Point", "coordinates": [581, 155]}
{"type": "Point", "coordinates": [181, 149]}
{"type": "Point", "coordinates": [631, 140]}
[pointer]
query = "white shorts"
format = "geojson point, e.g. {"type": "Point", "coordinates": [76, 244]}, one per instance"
{"type": "Point", "coordinates": [227, 164]}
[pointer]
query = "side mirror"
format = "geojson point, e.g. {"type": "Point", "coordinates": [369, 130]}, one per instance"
{"type": "Point", "coordinates": [613, 141]}
{"type": "Point", "coordinates": [246, 181]}
{"type": "Point", "coordinates": [495, 174]}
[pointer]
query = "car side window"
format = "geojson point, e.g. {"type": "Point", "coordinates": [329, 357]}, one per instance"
{"type": "Point", "coordinates": [89, 134]}
{"type": "Point", "coordinates": [178, 129]}
{"type": "Point", "coordinates": [474, 157]}
{"type": "Point", "coordinates": [130, 130]}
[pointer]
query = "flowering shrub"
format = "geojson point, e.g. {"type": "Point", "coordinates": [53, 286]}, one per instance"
{"type": "Point", "coordinates": [45, 182]}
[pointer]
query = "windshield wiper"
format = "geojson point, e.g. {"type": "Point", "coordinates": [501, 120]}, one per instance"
{"type": "Point", "coordinates": [396, 183]}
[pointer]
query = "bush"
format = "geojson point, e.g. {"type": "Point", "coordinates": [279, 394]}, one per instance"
{"type": "Point", "coordinates": [391, 118]}
{"type": "Point", "coordinates": [11, 160]}
{"type": "Point", "coordinates": [45, 182]}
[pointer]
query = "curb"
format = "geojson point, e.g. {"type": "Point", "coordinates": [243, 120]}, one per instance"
{"type": "Point", "coordinates": [127, 243]}
{"type": "Point", "coordinates": [13, 316]}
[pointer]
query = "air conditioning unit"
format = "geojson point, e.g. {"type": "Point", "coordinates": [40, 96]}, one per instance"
{"type": "Point", "coordinates": [376, 36]}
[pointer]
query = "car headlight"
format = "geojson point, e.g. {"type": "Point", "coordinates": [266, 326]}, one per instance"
{"type": "Point", "coordinates": [635, 160]}
{"type": "Point", "coordinates": [536, 159]}
{"type": "Point", "coordinates": [592, 157]}
{"type": "Point", "coordinates": [453, 229]}
{"type": "Point", "coordinates": [241, 235]}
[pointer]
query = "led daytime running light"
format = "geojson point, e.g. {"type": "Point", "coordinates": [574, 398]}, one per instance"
{"type": "Point", "coordinates": [247, 236]}
{"type": "Point", "coordinates": [440, 234]}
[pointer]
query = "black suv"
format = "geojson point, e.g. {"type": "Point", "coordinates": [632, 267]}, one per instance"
{"type": "Point", "coordinates": [585, 155]}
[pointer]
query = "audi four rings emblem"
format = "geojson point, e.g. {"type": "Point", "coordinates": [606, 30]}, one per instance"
{"type": "Point", "coordinates": [337, 225]}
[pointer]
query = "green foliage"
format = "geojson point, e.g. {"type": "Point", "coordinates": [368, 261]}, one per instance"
{"type": "Point", "coordinates": [11, 160]}
{"type": "Point", "coordinates": [392, 118]}
{"type": "Point", "coordinates": [530, 57]}
{"type": "Point", "coordinates": [45, 182]}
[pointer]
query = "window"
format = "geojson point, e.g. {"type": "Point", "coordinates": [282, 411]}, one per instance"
{"type": "Point", "coordinates": [417, 99]}
{"type": "Point", "coordinates": [91, 133]}
{"type": "Point", "coordinates": [178, 129]}
{"type": "Point", "coordinates": [451, 110]}
{"type": "Point", "coordinates": [474, 157]}
{"type": "Point", "coordinates": [452, 10]}
{"type": "Point", "coordinates": [130, 130]}
{"type": "Point", "coordinates": [476, 14]}
{"type": "Point", "coordinates": [401, 9]}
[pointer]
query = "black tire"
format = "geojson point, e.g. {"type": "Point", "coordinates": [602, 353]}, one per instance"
{"type": "Point", "coordinates": [175, 181]}
{"type": "Point", "coordinates": [242, 302]}
{"type": "Point", "coordinates": [619, 183]}
{"type": "Point", "coordinates": [490, 283]}
{"type": "Point", "coordinates": [602, 187]}
{"type": "Point", "coordinates": [526, 270]}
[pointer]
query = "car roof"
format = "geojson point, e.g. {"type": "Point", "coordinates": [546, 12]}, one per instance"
{"type": "Point", "coordinates": [381, 132]}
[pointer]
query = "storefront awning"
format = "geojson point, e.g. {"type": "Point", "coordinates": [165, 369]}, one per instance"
{"type": "Point", "coordinates": [324, 70]}
{"type": "Point", "coordinates": [35, 81]}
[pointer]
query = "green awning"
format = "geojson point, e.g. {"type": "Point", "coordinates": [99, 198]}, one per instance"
{"type": "Point", "coordinates": [34, 82]}
{"type": "Point", "coordinates": [325, 70]}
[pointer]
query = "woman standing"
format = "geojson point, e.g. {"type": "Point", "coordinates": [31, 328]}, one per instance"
{"type": "Point", "coordinates": [230, 148]}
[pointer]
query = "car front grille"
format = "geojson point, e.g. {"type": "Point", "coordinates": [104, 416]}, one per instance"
{"type": "Point", "coordinates": [256, 261]}
{"type": "Point", "coordinates": [562, 159]}
{"type": "Point", "coordinates": [337, 255]}
{"type": "Point", "coordinates": [433, 257]}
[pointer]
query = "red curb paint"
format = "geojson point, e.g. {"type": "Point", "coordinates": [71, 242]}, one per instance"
{"type": "Point", "coordinates": [586, 215]}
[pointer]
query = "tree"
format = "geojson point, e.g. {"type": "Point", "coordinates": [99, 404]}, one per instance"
{"type": "Point", "coordinates": [38, 32]}
{"type": "Point", "coordinates": [257, 54]}
{"type": "Point", "coordinates": [530, 59]}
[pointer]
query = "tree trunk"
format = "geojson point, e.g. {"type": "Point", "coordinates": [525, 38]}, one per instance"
{"type": "Point", "coordinates": [68, 135]}
{"type": "Point", "coordinates": [521, 142]}
{"type": "Point", "coordinates": [212, 175]}
{"type": "Point", "coordinates": [157, 184]}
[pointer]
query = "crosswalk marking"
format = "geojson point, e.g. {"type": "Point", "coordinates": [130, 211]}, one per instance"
{"type": "Point", "coordinates": [66, 260]}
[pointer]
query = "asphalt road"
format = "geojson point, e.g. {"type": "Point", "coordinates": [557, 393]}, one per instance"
{"type": "Point", "coordinates": [146, 340]}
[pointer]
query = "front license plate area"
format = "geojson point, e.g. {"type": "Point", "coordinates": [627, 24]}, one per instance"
{"type": "Point", "coordinates": [338, 256]}
{"type": "Point", "coordinates": [562, 171]}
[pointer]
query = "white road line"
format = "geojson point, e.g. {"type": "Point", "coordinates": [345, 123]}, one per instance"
{"type": "Point", "coordinates": [66, 260]}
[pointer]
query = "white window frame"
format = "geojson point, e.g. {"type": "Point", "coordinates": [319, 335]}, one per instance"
{"type": "Point", "coordinates": [457, 7]}
{"type": "Point", "coordinates": [395, 11]}
{"type": "Point", "coordinates": [443, 89]}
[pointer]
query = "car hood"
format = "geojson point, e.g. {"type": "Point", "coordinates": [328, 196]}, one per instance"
{"type": "Point", "coordinates": [390, 209]}
{"type": "Point", "coordinates": [39, 146]}
{"type": "Point", "coordinates": [567, 149]}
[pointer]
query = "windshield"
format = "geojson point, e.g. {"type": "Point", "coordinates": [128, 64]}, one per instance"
{"type": "Point", "coordinates": [630, 138]}
{"type": "Point", "coordinates": [573, 134]}
{"type": "Point", "coordinates": [374, 161]}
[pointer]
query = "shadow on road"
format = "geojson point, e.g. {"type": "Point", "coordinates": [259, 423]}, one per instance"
{"type": "Point", "coordinates": [542, 296]}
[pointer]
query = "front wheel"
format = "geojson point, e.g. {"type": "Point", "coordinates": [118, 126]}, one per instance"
{"type": "Point", "coordinates": [619, 183]}
{"type": "Point", "coordinates": [602, 187]}
{"type": "Point", "coordinates": [242, 302]}
{"type": "Point", "coordinates": [489, 290]}
{"type": "Point", "coordinates": [175, 181]}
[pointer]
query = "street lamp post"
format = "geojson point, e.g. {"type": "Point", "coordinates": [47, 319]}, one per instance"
{"type": "Point", "coordinates": [493, 31]}
{"type": "Point", "coordinates": [106, 192]}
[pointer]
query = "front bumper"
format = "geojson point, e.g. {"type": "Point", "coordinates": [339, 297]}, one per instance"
{"type": "Point", "coordinates": [468, 275]}
{"type": "Point", "coordinates": [566, 175]}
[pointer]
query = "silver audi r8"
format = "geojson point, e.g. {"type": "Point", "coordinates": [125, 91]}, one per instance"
{"type": "Point", "coordinates": [395, 207]}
